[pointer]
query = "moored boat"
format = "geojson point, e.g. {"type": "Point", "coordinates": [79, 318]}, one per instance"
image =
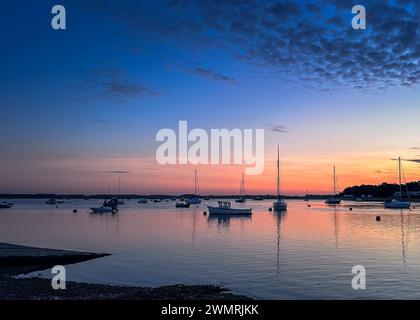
{"type": "Point", "coordinates": [225, 208]}
{"type": "Point", "coordinates": [241, 198]}
{"type": "Point", "coordinates": [279, 204]}
{"type": "Point", "coordinates": [51, 201]}
{"type": "Point", "coordinates": [195, 199]}
{"type": "Point", "coordinates": [6, 205]}
{"type": "Point", "coordinates": [103, 210]}
{"type": "Point", "coordinates": [182, 204]}
{"type": "Point", "coordinates": [399, 203]}
{"type": "Point", "coordinates": [333, 199]}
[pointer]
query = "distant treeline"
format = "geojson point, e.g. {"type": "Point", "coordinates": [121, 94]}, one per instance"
{"type": "Point", "coordinates": [381, 190]}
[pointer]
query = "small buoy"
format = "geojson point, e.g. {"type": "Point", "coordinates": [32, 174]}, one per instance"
{"type": "Point", "coordinates": [56, 207]}
{"type": "Point", "coordinates": [378, 218]}
{"type": "Point", "coordinates": [270, 209]}
{"type": "Point", "coordinates": [74, 210]}
{"type": "Point", "coordinates": [351, 209]}
{"type": "Point", "coordinates": [204, 213]}
{"type": "Point", "coordinates": [309, 205]}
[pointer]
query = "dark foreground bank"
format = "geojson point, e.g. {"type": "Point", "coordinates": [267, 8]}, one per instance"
{"type": "Point", "coordinates": [15, 260]}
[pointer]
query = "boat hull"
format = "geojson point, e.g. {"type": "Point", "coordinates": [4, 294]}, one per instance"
{"type": "Point", "coordinates": [280, 206]}
{"type": "Point", "coordinates": [103, 210]}
{"type": "Point", "coordinates": [333, 201]}
{"type": "Point", "coordinates": [397, 205]}
{"type": "Point", "coordinates": [229, 211]}
{"type": "Point", "coordinates": [193, 201]}
{"type": "Point", "coordinates": [182, 205]}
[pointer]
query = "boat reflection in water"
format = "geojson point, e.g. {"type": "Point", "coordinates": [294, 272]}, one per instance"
{"type": "Point", "coordinates": [225, 220]}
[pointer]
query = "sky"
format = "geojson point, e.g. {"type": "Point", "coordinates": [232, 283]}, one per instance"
{"type": "Point", "coordinates": [81, 107]}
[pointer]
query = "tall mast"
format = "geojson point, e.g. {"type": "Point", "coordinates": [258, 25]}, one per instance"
{"type": "Point", "coordinates": [399, 175]}
{"type": "Point", "coordinates": [243, 183]}
{"type": "Point", "coordinates": [242, 187]}
{"type": "Point", "coordinates": [195, 182]}
{"type": "Point", "coordinates": [278, 172]}
{"type": "Point", "coordinates": [334, 180]}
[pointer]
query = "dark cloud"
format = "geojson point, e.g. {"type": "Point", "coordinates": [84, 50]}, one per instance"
{"type": "Point", "coordinates": [118, 171]}
{"type": "Point", "coordinates": [277, 128]}
{"type": "Point", "coordinates": [112, 83]}
{"type": "Point", "coordinates": [307, 42]}
{"type": "Point", "coordinates": [413, 160]}
{"type": "Point", "coordinates": [415, 148]}
{"type": "Point", "coordinates": [410, 160]}
{"type": "Point", "coordinates": [209, 74]}
{"type": "Point", "coordinates": [112, 122]}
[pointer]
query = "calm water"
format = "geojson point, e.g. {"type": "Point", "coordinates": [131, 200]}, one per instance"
{"type": "Point", "coordinates": [305, 253]}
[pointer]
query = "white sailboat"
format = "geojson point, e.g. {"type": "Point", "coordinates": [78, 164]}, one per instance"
{"type": "Point", "coordinates": [195, 199]}
{"type": "Point", "coordinates": [279, 204]}
{"type": "Point", "coordinates": [242, 198]}
{"type": "Point", "coordinates": [398, 203]}
{"type": "Point", "coordinates": [332, 200]}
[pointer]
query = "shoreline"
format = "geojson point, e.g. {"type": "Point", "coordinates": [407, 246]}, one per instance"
{"type": "Point", "coordinates": [16, 260]}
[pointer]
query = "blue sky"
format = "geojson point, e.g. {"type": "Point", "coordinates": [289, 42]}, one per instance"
{"type": "Point", "coordinates": [124, 69]}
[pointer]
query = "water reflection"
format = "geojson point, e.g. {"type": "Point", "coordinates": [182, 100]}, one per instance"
{"type": "Point", "coordinates": [224, 221]}
{"type": "Point", "coordinates": [312, 248]}
{"type": "Point", "coordinates": [279, 216]}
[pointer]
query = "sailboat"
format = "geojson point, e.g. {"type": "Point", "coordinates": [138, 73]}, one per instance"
{"type": "Point", "coordinates": [332, 200]}
{"type": "Point", "coordinates": [241, 198]}
{"type": "Point", "coordinates": [279, 204]}
{"type": "Point", "coordinates": [399, 203]}
{"type": "Point", "coordinates": [195, 199]}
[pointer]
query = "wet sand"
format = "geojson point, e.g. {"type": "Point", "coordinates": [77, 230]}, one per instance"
{"type": "Point", "coordinates": [16, 260]}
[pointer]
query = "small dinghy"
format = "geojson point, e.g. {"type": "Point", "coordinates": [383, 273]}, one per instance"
{"type": "Point", "coordinates": [182, 205]}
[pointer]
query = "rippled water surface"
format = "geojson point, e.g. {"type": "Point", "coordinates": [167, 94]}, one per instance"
{"type": "Point", "coordinates": [307, 252]}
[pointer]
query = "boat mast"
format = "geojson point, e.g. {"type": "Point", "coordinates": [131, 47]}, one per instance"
{"type": "Point", "coordinates": [242, 189]}
{"type": "Point", "coordinates": [278, 173]}
{"type": "Point", "coordinates": [334, 181]}
{"type": "Point", "coordinates": [399, 175]}
{"type": "Point", "coordinates": [195, 182]}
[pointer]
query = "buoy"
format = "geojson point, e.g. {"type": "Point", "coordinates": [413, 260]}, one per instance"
{"type": "Point", "coordinates": [351, 209]}
{"type": "Point", "coordinates": [204, 213]}
{"type": "Point", "coordinates": [309, 205]}
{"type": "Point", "coordinates": [378, 218]}
{"type": "Point", "coordinates": [270, 209]}
{"type": "Point", "coordinates": [74, 210]}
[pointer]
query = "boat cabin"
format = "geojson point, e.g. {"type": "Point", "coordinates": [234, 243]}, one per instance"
{"type": "Point", "coordinates": [224, 204]}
